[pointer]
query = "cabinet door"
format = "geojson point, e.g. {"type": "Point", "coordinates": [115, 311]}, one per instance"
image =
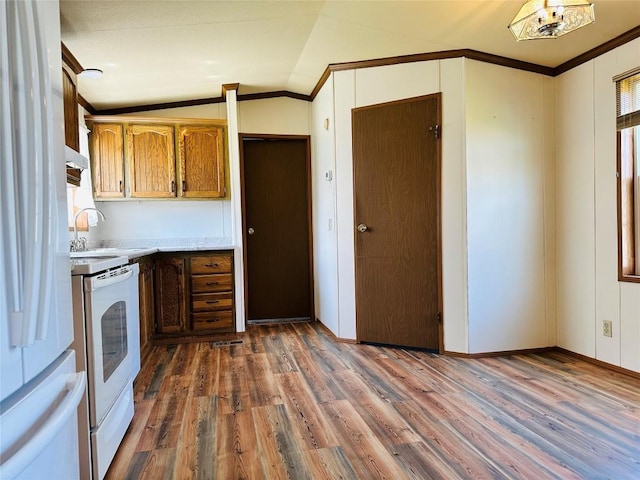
{"type": "Point", "coordinates": [170, 296]}
{"type": "Point", "coordinates": [202, 161]}
{"type": "Point", "coordinates": [107, 157]}
{"type": "Point", "coordinates": [152, 169]}
{"type": "Point", "coordinates": [70, 102]}
{"type": "Point", "coordinates": [147, 309]}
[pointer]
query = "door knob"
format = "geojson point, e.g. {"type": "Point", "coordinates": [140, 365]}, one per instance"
{"type": "Point", "coordinates": [362, 228]}
{"type": "Point", "coordinates": [251, 231]}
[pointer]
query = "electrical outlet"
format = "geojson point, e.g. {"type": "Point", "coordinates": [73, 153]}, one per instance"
{"type": "Point", "coordinates": [607, 328]}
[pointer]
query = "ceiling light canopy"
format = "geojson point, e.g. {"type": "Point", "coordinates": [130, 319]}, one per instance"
{"type": "Point", "coordinates": [91, 73]}
{"type": "Point", "coordinates": [551, 18]}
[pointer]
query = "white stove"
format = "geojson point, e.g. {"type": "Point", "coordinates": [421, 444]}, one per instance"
{"type": "Point", "coordinates": [107, 343]}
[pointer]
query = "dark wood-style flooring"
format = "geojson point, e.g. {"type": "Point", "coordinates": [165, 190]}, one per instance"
{"type": "Point", "coordinates": [290, 402]}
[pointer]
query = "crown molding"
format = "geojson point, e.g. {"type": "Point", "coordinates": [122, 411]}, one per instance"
{"type": "Point", "coordinates": [70, 60]}
{"type": "Point", "coordinates": [378, 62]}
{"type": "Point", "coordinates": [626, 37]}
{"type": "Point", "coordinates": [228, 87]}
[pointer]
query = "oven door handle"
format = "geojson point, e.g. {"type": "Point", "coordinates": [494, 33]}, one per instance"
{"type": "Point", "coordinates": [97, 282]}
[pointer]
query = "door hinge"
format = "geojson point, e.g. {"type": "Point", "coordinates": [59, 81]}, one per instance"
{"type": "Point", "coordinates": [439, 317]}
{"type": "Point", "coordinates": [436, 130]}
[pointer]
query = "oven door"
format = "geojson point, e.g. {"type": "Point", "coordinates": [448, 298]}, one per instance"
{"type": "Point", "coordinates": [112, 342]}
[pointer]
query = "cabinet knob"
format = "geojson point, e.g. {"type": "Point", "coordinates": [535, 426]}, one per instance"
{"type": "Point", "coordinates": [251, 231]}
{"type": "Point", "coordinates": [362, 228]}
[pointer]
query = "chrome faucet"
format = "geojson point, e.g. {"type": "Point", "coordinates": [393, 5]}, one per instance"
{"type": "Point", "coordinates": [80, 244]}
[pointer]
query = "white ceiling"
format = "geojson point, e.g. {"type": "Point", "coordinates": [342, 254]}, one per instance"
{"type": "Point", "coordinates": [164, 51]}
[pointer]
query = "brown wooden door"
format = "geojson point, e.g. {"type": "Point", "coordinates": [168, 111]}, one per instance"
{"type": "Point", "coordinates": [277, 219]}
{"type": "Point", "coordinates": [152, 161]}
{"type": "Point", "coordinates": [107, 159]}
{"type": "Point", "coordinates": [396, 187]}
{"type": "Point", "coordinates": [202, 161]}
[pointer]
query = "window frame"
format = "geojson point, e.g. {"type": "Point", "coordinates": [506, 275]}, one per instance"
{"type": "Point", "coordinates": [628, 188]}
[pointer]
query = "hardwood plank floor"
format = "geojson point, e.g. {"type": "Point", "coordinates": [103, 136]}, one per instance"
{"type": "Point", "coordinates": [289, 402]}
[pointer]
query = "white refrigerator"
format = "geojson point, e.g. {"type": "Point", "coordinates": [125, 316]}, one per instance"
{"type": "Point", "coordinates": [39, 386]}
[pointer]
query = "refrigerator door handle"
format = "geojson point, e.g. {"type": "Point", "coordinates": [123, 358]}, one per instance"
{"type": "Point", "coordinates": [23, 457]}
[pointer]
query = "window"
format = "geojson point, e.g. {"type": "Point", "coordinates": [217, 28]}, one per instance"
{"type": "Point", "coordinates": [628, 134]}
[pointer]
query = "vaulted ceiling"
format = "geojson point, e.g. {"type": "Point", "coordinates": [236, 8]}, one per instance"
{"type": "Point", "coordinates": [166, 51]}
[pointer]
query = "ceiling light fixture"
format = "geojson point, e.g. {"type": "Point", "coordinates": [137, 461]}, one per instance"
{"type": "Point", "coordinates": [551, 18]}
{"type": "Point", "coordinates": [91, 73]}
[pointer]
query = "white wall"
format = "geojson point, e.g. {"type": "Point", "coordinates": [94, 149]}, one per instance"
{"type": "Point", "coordinates": [482, 166]}
{"type": "Point", "coordinates": [344, 101]}
{"type": "Point", "coordinates": [454, 206]}
{"type": "Point", "coordinates": [506, 135]}
{"type": "Point", "coordinates": [356, 88]}
{"type": "Point", "coordinates": [163, 220]}
{"type": "Point", "coordinates": [587, 255]}
{"type": "Point", "coordinates": [575, 211]}
{"type": "Point", "coordinates": [278, 116]}
{"type": "Point", "coordinates": [325, 243]}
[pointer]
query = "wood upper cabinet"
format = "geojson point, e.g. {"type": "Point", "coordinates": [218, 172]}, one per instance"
{"type": "Point", "coordinates": [201, 150]}
{"type": "Point", "coordinates": [107, 159]}
{"type": "Point", "coordinates": [161, 158]}
{"type": "Point", "coordinates": [151, 152]}
{"type": "Point", "coordinates": [70, 104]}
{"type": "Point", "coordinates": [171, 311]}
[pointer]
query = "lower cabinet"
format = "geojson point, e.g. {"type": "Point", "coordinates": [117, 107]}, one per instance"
{"type": "Point", "coordinates": [171, 305]}
{"type": "Point", "coordinates": [212, 292]}
{"type": "Point", "coordinates": [194, 293]}
{"type": "Point", "coordinates": [147, 308]}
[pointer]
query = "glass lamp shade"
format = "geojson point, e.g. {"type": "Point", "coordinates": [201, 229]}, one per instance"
{"type": "Point", "coordinates": [551, 18]}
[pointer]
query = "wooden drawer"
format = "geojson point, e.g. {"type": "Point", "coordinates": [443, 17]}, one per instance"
{"type": "Point", "coordinates": [205, 302]}
{"type": "Point", "coordinates": [211, 264]}
{"type": "Point", "coordinates": [213, 320]}
{"type": "Point", "coordinates": [211, 283]}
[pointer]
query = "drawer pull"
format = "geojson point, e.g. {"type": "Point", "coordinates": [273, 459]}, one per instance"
{"type": "Point", "coordinates": [212, 265]}
{"type": "Point", "coordinates": [212, 301]}
{"type": "Point", "coordinates": [211, 284]}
